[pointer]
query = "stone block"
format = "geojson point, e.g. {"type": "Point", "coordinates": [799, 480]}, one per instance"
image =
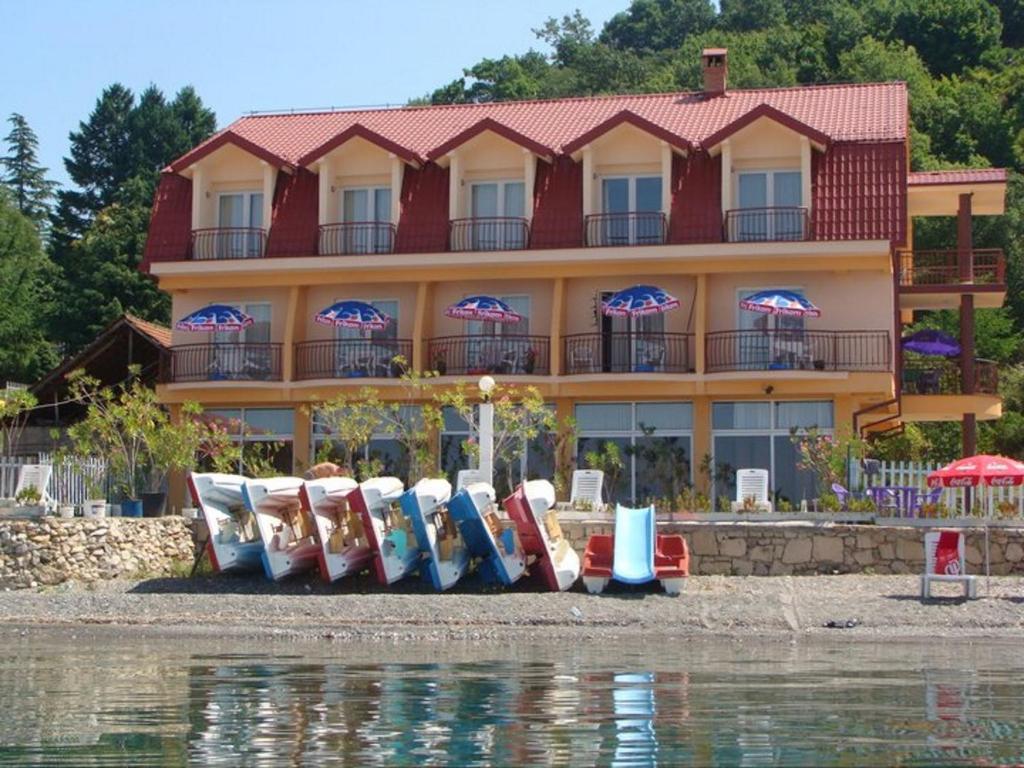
{"type": "Point", "coordinates": [761, 554]}
{"type": "Point", "coordinates": [907, 549]}
{"type": "Point", "coordinates": [864, 557]}
{"type": "Point", "coordinates": [865, 541]}
{"type": "Point", "coordinates": [828, 549]}
{"type": "Point", "coordinates": [733, 547]}
{"type": "Point", "coordinates": [742, 567]}
{"type": "Point", "coordinates": [1014, 552]}
{"type": "Point", "coordinates": [886, 551]}
{"type": "Point", "coordinates": [973, 555]}
{"type": "Point", "coordinates": [797, 551]}
{"type": "Point", "coordinates": [781, 569]}
{"type": "Point", "coordinates": [703, 542]}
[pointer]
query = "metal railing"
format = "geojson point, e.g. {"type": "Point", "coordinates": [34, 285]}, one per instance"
{"type": "Point", "coordinates": [352, 237]}
{"type": "Point", "coordinates": [759, 350]}
{"type": "Point", "coordinates": [627, 353]}
{"type": "Point", "coordinates": [633, 228]}
{"type": "Point", "coordinates": [762, 225]}
{"type": "Point", "coordinates": [352, 358]}
{"type": "Point", "coordinates": [510, 355]}
{"type": "Point", "coordinates": [944, 378]}
{"type": "Point", "coordinates": [489, 233]}
{"type": "Point", "coordinates": [228, 361]}
{"type": "Point", "coordinates": [927, 268]}
{"type": "Point", "coordinates": [227, 243]}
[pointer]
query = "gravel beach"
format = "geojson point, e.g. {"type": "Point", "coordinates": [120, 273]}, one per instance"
{"type": "Point", "coordinates": [745, 607]}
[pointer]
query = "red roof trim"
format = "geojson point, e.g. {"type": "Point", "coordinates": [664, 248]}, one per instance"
{"type": "Point", "coordinates": [770, 112]}
{"type": "Point", "coordinates": [362, 132]}
{"type": "Point", "coordinates": [965, 176]}
{"type": "Point", "coordinates": [492, 125]}
{"type": "Point", "coordinates": [229, 137]}
{"type": "Point", "coordinates": [626, 116]}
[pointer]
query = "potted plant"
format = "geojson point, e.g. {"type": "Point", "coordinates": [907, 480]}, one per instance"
{"type": "Point", "coordinates": [1007, 508]}
{"type": "Point", "coordinates": [28, 502]}
{"type": "Point", "coordinates": [530, 361]}
{"type": "Point", "coordinates": [440, 361]}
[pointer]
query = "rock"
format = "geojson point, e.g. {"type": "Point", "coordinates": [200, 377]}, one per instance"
{"type": "Point", "coordinates": [828, 549]}
{"type": "Point", "coordinates": [703, 542]}
{"type": "Point", "coordinates": [733, 547]}
{"type": "Point", "coordinates": [1014, 552]}
{"type": "Point", "coordinates": [909, 550]}
{"type": "Point", "coordinates": [797, 551]}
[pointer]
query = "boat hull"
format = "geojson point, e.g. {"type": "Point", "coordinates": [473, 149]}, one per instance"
{"type": "Point", "coordinates": [231, 545]}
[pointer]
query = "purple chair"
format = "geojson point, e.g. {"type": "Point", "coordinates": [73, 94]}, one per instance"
{"type": "Point", "coordinates": [842, 494]}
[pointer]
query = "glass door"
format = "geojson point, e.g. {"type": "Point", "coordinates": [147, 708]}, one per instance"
{"type": "Point", "coordinates": [753, 200]}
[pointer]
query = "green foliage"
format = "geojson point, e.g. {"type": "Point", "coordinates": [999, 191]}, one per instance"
{"type": "Point", "coordinates": [15, 406]}
{"type": "Point", "coordinates": [22, 174]}
{"type": "Point", "coordinates": [607, 458]}
{"type": "Point", "coordinates": [827, 455]}
{"type": "Point", "coordinates": [656, 25]}
{"type": "Point", "coordinates": [950, 35]}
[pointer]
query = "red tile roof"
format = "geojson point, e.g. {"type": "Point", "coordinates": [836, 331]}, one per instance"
{"type": "Point", "coordinates": [160, 334]}
{"type": "Point", "coordinates": [770, 112]}
{"type": "Point", "coordinates": [868, 112]}
{"type": "Point", "coordinates": [969, 176]}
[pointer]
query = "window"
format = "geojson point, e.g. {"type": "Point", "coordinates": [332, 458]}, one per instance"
{"type": "Point", "coordinates": [266, 435]}
{"type": "Point", "coordinates": [368, 353]}
{"type": "Point", "coordinates": [633, 205]}
{"type": "Point", "coordinates": [632, 344]}
{"type": "Point", "coordinates": [245, 354]}
{"type": "Point", "coordinates": [240, 213]}
{"type": "Point", "coordinates": [757, 435]}
{"type": "Point", "coordinates": [497, 209]}
{"type": "Point", "coordinates": [770, 342]}
{"type": "Point", "coordinates": [500, 347]}
{"type": "Point", "coordinates": [368, 210]}
{"type": "Point", "coordinates": [770, 206]}
{"type": "Point", "coordinates": [654, 441]}
{"type": "Point", "coordinates": [383, 455]}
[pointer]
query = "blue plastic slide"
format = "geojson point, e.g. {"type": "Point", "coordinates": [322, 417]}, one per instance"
{"type": "Point", "coordinates": [634, 545]}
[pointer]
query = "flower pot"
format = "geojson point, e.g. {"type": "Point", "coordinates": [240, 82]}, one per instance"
{"type": "Point", "coordinates": [131, 508]}
{"type": "Point", "coordinates": [94, 508]}
{"type": "Point", "coordinates": [66, 511]}
{"type": "Point", "coordinates": [153, 504]}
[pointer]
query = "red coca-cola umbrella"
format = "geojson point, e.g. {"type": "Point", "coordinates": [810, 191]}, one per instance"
{"type": "Point", "coordinates": [978, 470]}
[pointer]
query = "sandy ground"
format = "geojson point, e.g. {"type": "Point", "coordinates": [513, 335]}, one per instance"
{"type": "Point", "coordinates": [877, 606]}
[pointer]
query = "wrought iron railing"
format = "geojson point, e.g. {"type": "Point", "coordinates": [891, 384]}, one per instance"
{"type": "Point", "coordinates": [627, 353]}
{"type": "Point", "coordinates": [227, 243]}
{"type": "Point", "coordinates": [985, 266]}
{"type": "Point", "coordinates": [352, 358]}
{"type": "Point", "coordinates": [227, 361]}
{"type": "Point", "coordinates": [780, 223]}
{"type": "Point", "coordinates": [759, 350]}
{"type": "Point", "coordinates": [489, 233]}
{"type": "Point", "coordinates": [354, 237]}
{"type": "Point", "coordinates": [510, 355]}
{"type": "Point", "coordinates": [633, 228]}
{"type": "Point", "coordinates": [944, 378]}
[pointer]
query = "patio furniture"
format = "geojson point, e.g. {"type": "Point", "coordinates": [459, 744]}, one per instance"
{"type": "Point", "coordinates": [467, 477]}
{"type": "Point", "coordinates": [944, 561]}
{"type": "Point", "coordinates": [920, 498]}
{"type": "Point", "coordinates": [587, 485]}
{"type": "Point", "coordinates": [842, 494]}
{"type": "Point", "coordinates": [752, 484]}
{"type": "Point", "coordinates": [581, 359]}
{"type": "Point", "coordinates": [36, 476]}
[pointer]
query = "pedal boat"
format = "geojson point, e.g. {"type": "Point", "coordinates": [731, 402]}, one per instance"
{"type": "Point", "coordinates": [234, 543]}
{"type": "Point", "coordinates": [493, 544]}
{"type": "Point", "coordinates": [289, 543]}
{"type": "Point", "coordinates": [388, 531]}
{"type": "Point", "coordinates": [531, 508]}
{"type": "Point", "coordinates": [338, 527]}
{"type": "Point", "coordinates": [444, 553]}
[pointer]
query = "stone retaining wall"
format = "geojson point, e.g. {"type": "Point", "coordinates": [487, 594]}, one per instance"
{"type": "Point", "coordinates": [50, 550]}
{"type": "Point", "coordinates": [778, 549]}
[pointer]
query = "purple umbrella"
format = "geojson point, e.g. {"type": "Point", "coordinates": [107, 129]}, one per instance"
{"type": "Point", "coordinates": [483, 308]}
{"type": "Point", "coordinates": [931, 342]}
{"type": "Point", "coordinates": [353, 314]}
{"type": "Point", "coordinates": [638, 301]}
{"type": "Point", "coordinates": [216, 317]}
{"type": "Point", "coordinates": [779, 302]}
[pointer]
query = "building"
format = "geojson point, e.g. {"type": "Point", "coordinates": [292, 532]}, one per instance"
{"type": "Point", "coordinates": [552, 205]}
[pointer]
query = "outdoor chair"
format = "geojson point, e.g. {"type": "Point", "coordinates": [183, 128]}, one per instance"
{"type": "Point", "coordinates": [944, 561]}
{"type": "Point", "coordinates": [587, 486]}
{"type": "Point", "coordinates": [509, 362]}
{"type": "Point", "coordinates": [752, 483]}
{"type": "Point", "coordinates": [920, 498]}
{"type": "Point", "coordinates": [842, 494]}
{"type": "Point", "coordinates": [36, 476]}
{"type": "Point", "coordinates": [581, 359]}
{"type": "Point", "coordinates": [467, 477]}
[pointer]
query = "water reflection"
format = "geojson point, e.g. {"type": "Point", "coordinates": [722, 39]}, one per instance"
{"type": "Point", "coordinates": [209, 703]}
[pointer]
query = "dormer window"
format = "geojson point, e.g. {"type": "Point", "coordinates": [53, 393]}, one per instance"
{"type": "Point", "coordinates": [769, 206]}
{"type": "Point", "coordinates": [497, 210]}
{"type": "Point", "coordinates": [239, 225]}
{"type": "Point", "coordinates": [366, 214]}
{"type": "Point", "coordinates": [631, 212]}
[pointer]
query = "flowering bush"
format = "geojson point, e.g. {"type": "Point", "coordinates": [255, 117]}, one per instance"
{"type": "Point", "coordinates": [826, 455]}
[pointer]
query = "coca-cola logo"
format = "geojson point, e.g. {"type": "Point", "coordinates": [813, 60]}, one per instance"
{"type": "Point", "coordinates": [961, 482]}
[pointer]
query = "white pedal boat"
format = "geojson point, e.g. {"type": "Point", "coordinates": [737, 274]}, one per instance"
{"type": "Point", "coordinates": [234, 543]}
{"type": "Point", "coordinates": [388, 530]}
{"type": "Point", "coordinates": [337, 525]}
{"type": "Point", "coordinates": [289, 543]}
{"type": "Point", "coordinates": [445, 554]}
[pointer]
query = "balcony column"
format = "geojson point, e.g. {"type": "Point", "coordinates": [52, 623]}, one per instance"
{"type": "Point", "coordinates": [198, 196]}
{"type": "Point", "coordinates": [397, 175]}
{"type": "Point", "coordinates": [421, 327]}
{"type": "Point", "coordinates": [969, 426]}
{"type": "Point", "coordinates": [529, 180]}
{"type": "Point", "coordinates": [666, 180]}
{"type": "Point", "coordinates": [701, 442]}
{"type": "Point", "coordinates": [325, 177]}
{"type": "Point", "coordinates": [726, 177]}
{"type": "Point", "coordinates": [302, 442]}
{"type": "Point", "coordinates": [454, 186]}
{"type": "Point", "coordinates": [588, 181]}
{"type": "Point", "coordinates": [294, 331]}
{"type": "Point", "coordinates": [700, 324]}
{"type": "Point", "coordinates": [269, 178]}
{"type": "Point", "coordinates": [557, 312]}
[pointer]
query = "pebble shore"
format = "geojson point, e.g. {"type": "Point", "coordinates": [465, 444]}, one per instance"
{"type": "Point", "coordinates": [882, 607]}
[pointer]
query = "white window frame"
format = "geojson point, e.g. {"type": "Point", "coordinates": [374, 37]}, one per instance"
{"type": "Point", "coordinates": [769, 174]}
{"type": "Point", "coordinates": [631, 184]}
{"type": "Point", "coordinates": [249, 251]}
{"type": "Point", "coordinates": [247, 195]}
{"type": "Point", "coordinates": [371, 199]}
{"type": "Point", "coordinates": [501, 183]}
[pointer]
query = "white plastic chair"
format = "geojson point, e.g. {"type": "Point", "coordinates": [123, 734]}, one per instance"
{"type": "Point", "coordinates": [36, 476]}
{"type": "Point", "coordinates": [467, 477]}
{"type": "Point", "coordinates": [752, 483]}
{"type": "Point", "coordinates": [587, 485]}
{"type": "Point", "coordinates": [955, 572]}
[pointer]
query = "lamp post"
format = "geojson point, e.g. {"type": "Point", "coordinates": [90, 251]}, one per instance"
{"type": "Point", "coordinates": [486, 463]}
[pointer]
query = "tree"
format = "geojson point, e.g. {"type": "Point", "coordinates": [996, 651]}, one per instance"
{"type": "Point", "coordinates": [750, 15]}
{"type": "Point", "coordinates": [950, 35]}
{"type": "Point", "coordinates": [23, 175]}
{"type": "Point", "coordinates": [25, 295]}
{"type": "Point", "coordinates": [657, 25]}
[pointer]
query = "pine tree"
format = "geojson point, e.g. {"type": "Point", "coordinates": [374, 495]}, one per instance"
{"type": "Point", "coordinates": [31, 190]}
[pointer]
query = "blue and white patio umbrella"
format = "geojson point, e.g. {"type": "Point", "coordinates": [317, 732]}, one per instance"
{"type": "Point", "coordinates": [639, 300]}
{"type": "Point", "coordinates": [353, 314]}
{"type": "Point", "coordinates": [483, 308]}
{"type": "Point", "coordinates": [216, 317]}
{"type": "Point", "coordinates": [775, 302]}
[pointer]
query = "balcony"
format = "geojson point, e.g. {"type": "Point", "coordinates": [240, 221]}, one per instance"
{"type": "Point", "coordinates": [944, 378]}
{"type": "Point", "coordinates": [628, 353]}
{"type": "Point", "coordinates": [242, 361]}
{"type": "Point", "coordinates": [766, 225]}
{"type": "Point", "coordinates": [227, 243]}
{"type": "Point", "coordinates": [758, 350]}
{"type": "Point", "coordinates": [930, 269]}
{"type": "Point", "coordinates": [351, 358]}
{"type": "Point", "coordinates": [471, 355]}
{"type": "Point", "coordinates": [491, 233]}
{"type": "Point", "coordinates": [354, 237]}
{"type": "Point", "coordinates": [618, 229]}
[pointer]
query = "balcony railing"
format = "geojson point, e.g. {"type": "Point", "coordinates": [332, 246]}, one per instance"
{"type": "Point", "coordinates": [357, 237]}
{"type": "Point", "coordinates": [634, 228]}
{"type": "Point", "coordinates": [510, 355]}
{"type": "Point", "coordinates": [762, 225]}
{"type": "Point", "coordinates": [227, 243]}
{"type": "Point", "coordinates": [628, 353]}
{"type": "Point", "coordinates": [352, 358]}
{"type": "Point", "coordinates": [242, 361]}
{"type": "Point", "coordinates": [758, 350]}
{"type": "Point", "coordinates": [490, 233]}
{"type": "Point", "coordinates": [943, 268]}
{"type": "Point", "coordinates": [944, 378]}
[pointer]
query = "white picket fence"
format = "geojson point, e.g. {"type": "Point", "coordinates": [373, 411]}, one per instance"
{"type": "Point", "coordinates": [70, 482]}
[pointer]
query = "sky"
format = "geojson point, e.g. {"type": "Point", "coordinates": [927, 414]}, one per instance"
{"type": "Point", "coordinates": [251, 55]}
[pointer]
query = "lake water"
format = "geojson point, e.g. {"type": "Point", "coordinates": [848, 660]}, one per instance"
{"type": "Point", "coordinates": [101, 700]}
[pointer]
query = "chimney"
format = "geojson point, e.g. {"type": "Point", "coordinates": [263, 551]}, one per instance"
{"type": "Point", "coordinates": [715, 65]}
